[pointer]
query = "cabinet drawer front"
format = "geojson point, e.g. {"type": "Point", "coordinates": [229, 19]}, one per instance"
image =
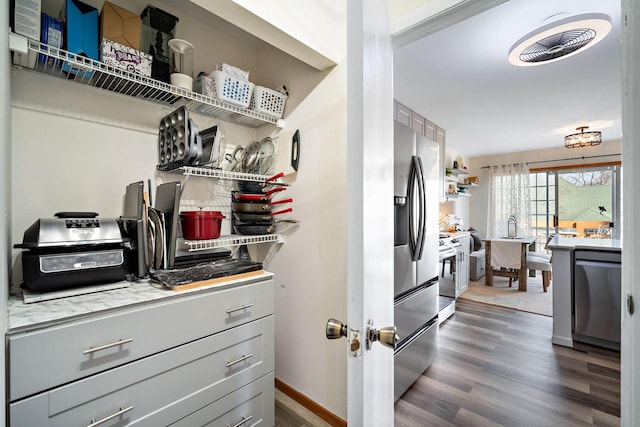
{"type": "Point", "coordinates": [252, 405]}
{"type": "Point", "coordinates": [40, 360]}
{"type": "Point", "coordinates": [162, 388]}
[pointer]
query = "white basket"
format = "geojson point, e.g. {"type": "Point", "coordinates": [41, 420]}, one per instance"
{"type": "Point", "coordinates": [268, 101]}
{"type": "Point", "coordinates": [226, 88]}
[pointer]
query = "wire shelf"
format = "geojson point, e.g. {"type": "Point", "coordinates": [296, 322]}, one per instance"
{"type": "Point", "coordinates": [231, 240]}
{"type": "Point", "coordinates": [80, 69]}
{"type": "Point", "coordinates": [223, 174]}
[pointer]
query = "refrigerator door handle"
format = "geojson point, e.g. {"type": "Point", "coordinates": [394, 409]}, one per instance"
{"type": "Point", "coordinates": [421, 208]}
{"type": "Point", "coordinates": [411, 193]}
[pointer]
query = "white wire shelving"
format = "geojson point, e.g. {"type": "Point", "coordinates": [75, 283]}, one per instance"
{"type": "Point", "coordinates": [80, 69]}
{"type": "Point", "coordinates": [230, 241]}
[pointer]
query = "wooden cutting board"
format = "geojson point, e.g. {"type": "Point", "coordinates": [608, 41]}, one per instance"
{"type": "Point", "coordinates": [216, 281]}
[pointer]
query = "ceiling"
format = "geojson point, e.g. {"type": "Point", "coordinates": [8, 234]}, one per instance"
{"type": "Point", "coordinates": [460, 79]}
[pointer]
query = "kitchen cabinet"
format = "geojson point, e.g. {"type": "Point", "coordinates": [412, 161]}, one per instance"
{"type": "Point", "coordinates": [425, 127]}
{"type": "Point", "coordinates": [462, 265]}
{"type": "Point", "coordinates": [206, 355]}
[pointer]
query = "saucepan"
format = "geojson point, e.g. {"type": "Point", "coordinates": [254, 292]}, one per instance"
{"type": "Point", "coordinates": [256, 207]}
{"type": "Point", "coordinates": [250, 197]}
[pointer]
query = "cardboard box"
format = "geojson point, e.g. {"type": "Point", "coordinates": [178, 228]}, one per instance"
{"type": "Point", "coordinates": [126, 58]}
{"type": "Point", "coordinates": [120, 25]}
{"type": "Point", "coordinates": [81, 33]}
{"type": "Point", "coordinates": [52, 30]}
{"type": "Point", "coordinates": [25, 20]}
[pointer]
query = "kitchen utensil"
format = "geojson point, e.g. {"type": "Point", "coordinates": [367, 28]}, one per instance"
{"type": "Point", "coordinates": [259, 186]}
{"type": "Point", "coordinates": [235, 158]}
{"type": "Point", "coordinates": [168, 202]}
{"type": "Point", "coordinates": [179, 142]}
{"type": "Point", "coordinates": [288, 156]}
{"type": "Point", "coordinates": [266, 155]}
{"type": "Point", "coordinates": [213, 145]}
{"type": "Point", "coordinates": [255, 207]}
{"type": "Point", "coordinates": [249, 197]}
{"type": "Point", "coordinates": [250, 157]}
{"type": "Point", "coordinates": [255, 229]}
{"type": "Point", "coordinates": [195, 144]}
{"type": "Point", "coordinates": [201, 225]}
{"type": "Point", "coordinates": [259, 217]}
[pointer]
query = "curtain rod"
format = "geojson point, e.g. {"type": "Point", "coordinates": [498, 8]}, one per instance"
{"type": "Point", "coordinates": [556, 160]}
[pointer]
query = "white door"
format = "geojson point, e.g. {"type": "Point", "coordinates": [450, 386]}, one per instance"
{"type": "Point", "coordinates": [370, 208]}
{"type": "Point", "coordinates": [630, 379]}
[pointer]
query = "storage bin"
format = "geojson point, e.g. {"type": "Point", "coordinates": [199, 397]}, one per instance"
{"type": "Point", "coordinates": [267, 101]}
{"type": "Point", "coordinates": [226, 88]}
{"type": "Point", "coordinates": [476, 265]}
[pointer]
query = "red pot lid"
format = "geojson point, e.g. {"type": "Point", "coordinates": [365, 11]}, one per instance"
{"type": "Point", "coordinates": [202, 215]}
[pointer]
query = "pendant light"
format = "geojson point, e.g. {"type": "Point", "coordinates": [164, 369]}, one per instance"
{"type": "Point", "coordinates": [582, 138]}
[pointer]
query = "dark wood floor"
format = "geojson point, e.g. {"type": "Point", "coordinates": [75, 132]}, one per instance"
{"type": "Point", "coordinates": [498, 367]}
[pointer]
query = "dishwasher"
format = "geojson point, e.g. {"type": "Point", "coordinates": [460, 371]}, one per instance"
{"type": "Point", "coordinates": [597, 297]}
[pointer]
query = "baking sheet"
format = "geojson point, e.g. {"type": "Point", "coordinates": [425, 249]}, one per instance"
{"type": "Point", "coordinates": [223, 268]}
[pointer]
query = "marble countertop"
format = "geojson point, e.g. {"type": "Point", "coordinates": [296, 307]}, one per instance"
{"type": "Point", "coordinates": [24, 317]}
{"type": "Point", "coordinates": [572, 243]}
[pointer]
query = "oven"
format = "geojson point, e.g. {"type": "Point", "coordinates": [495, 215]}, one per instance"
{"type": "Point", "coordinates": [447, 258]}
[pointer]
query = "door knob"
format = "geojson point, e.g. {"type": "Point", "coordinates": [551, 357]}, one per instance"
{"type": "Point", "coordinates": [336, 329]}
{"type": "Point", "coordinates": [387, 336]}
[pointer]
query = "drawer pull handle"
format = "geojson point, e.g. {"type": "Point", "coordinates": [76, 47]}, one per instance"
{"type": "Point", "coordinates": [106, 346]}
{"type": "Point", "coordinates": [238, 360]}
{"type": "Point", "coordinates": [122, 410]}
{"type": "Point", "coordinates": [242, 307]}
{"type": "Point", "coordinates": [244, 420]}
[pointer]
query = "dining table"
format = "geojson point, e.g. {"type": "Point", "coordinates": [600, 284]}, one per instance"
{"type": "Point", "coordinates": [516, 271]}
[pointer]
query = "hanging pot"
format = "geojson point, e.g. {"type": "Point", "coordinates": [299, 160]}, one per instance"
{"type": "Point", "coordinates": [256, 207]}
{"type": "Point", "coordinates": [253, 229]}
{"type": "Point", "coordinates": [261, 197]}
{"type": "Point", "coordinates": [259, 217]}
{"type": "Point", "coordinates": [259, 186]}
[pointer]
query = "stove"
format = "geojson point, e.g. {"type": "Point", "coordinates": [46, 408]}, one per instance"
{"type": "Point", "coordinates": [447, 246]}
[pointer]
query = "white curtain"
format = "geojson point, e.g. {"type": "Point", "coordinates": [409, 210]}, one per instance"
{"type": "Point", "coordinates": [509, 194]}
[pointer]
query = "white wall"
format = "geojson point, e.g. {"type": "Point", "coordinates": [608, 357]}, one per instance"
{"type": "Point", "coordinates": [478, 206]}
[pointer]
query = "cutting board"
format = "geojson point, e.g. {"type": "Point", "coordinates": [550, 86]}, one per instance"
{"type": "Point", "coordinates": [288, 154]}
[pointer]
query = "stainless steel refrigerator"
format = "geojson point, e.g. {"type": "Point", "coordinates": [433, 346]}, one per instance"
{"type": "Point", "coordinates": [415, 255]}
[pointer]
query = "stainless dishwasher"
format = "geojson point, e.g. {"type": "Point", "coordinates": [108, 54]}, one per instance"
{"type": "Point", "coordinates": [597, 297]}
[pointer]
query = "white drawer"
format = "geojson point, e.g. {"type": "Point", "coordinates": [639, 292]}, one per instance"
{"type": "Point", "coordinates": [252, 405]}
{"type": "Point", "coordinates": [43, 359]}
{"type": "Point", "coordinates": [159, 389]}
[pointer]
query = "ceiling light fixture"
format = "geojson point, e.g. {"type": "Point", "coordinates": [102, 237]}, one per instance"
{"type": "Point", "coordinates": [582, 138]}
{"type": "Point", "coordinates": [560, 39]}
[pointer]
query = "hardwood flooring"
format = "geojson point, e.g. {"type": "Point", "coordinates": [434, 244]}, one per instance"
{"type": "Point", "coordinates": [497, 367]}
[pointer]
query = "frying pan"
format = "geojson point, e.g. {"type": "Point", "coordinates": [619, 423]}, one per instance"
{"type": "Point", "coordinates": [262, 197]}
{"type": "Point", "coordinates": [259, 217]}
{"type": "Point", "coordinates": [251, 229]}
{"type": "Point", "coordinates": [256, 207]}
{"type": "Point", "coordinates": [258, 186]}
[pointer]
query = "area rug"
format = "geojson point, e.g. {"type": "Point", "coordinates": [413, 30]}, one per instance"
{"type": "Point", "coordinates": [500, 294]}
